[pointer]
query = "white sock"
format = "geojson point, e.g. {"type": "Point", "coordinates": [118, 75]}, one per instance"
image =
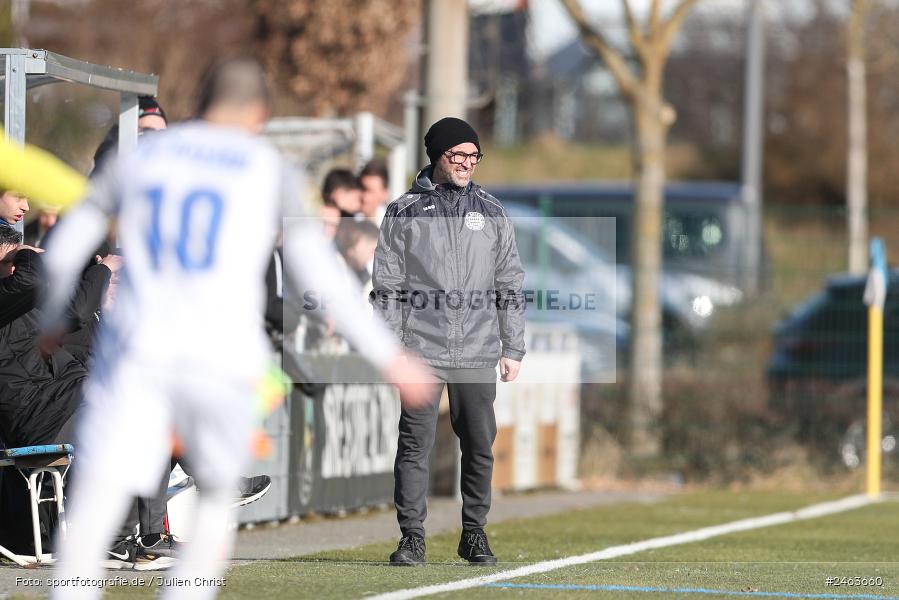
{"type": "Point", "coordinates": [201, 567]}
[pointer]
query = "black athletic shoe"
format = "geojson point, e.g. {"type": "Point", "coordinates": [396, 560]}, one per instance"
{"type": "Point", "coordinates": [474, 548]}
{"type": "Point", "coordinates": [121, 555]}
{"type": "Point", "coordinates": [252, 489]}
{"type": "Point", "coordinates": [161, 544]}
{"type": "Point", "coordinates": [409, 553]}
{"type": "Point", "coordinates": [147, 560]}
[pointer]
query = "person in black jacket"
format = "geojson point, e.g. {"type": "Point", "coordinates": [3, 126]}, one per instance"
{"type": "Point", "coordinates": [39, 394]}
{"type": "Point", "coordinates": [448, 280]}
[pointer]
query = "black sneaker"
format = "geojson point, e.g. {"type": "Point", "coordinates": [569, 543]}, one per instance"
{"type": "Point", "coordinates": [409, 553]}
{"type": "Point", "coordinates": [161, 544]}
{"type": "Point", "coordinates": [474, 548]}
{"type": "Point", "coordinates": [121, 555]}
{"type": "Point", "coordinates": [252, 489]}
{"type": "Point", "coordinates": [147, 560]}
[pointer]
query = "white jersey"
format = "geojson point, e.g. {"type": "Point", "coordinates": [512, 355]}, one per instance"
{"type": "Point", "coordinates": [198, 210]}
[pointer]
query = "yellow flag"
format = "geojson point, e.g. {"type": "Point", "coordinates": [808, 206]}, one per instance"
{"type": "Point", "coordinates": [39, 176]}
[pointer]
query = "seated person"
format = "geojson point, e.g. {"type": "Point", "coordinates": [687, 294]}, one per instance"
{"type": "Point", "coordinates": [38, 393]}
{"type": "Point", "coordinates": [13, 207]}
{"type": "Point", "coordinates": [40, 390]}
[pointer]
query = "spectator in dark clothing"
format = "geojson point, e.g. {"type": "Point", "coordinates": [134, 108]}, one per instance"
{"type": "Point", "coordinates": [341, 189]}
{"type": "Point", "coordinates": [150, 117]}
{"type": "Point", "coordinates": [38, 395]}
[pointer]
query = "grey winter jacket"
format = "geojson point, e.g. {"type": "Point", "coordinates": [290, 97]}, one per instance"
{"type": "Point", "coordinates": [447, 278]}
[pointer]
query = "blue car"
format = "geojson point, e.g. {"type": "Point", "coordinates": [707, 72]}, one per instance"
{"type": "Point", "coordinates": [817, 373]}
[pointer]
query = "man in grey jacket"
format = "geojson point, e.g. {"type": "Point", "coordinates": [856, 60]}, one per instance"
{"type": "Point", "coordinates": [448, 280]}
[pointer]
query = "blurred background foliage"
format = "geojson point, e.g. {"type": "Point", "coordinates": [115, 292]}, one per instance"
{"type": "Point", "coordinates": [338, 57]}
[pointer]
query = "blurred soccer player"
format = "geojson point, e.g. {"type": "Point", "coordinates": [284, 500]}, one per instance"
{"type": "Point", "coordinates": [184, 350]}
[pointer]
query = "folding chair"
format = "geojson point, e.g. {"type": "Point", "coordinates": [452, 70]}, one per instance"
{"type": "Point", "coordinates": [32, 463]}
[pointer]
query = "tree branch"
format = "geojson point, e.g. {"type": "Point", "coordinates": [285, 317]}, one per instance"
{"type": "Point", "coordinates": [612, 57]}
{"type": "Point", "coordinates": [672, 24]}
{"type": "Point", "coordinates": [638, 41]}
{"type": "Point", "coordinates": [655, 18]}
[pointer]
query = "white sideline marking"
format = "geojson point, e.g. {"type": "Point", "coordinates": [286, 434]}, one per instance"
{"type": "Point", "coordinates": [809, 512]}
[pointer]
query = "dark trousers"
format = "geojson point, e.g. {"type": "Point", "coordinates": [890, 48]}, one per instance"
{"type": "Point", "coordinates": [471, 395]}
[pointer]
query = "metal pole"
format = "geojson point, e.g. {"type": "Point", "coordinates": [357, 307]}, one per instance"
{"type": "Point", "coordinates": [857, 167]}
{"type": "Point", "coordinates": [505, 119]}
{"type": "Point", "coordinates": [752, 143]}
{"type": "Point", "coordinates": [364, 148]}
{"type": "Point", "coordinates": [14, 98]}
{"type": "Point", "coordinates": [14, 92]}
{"type": "Point", "coordinates": [397, 170]}
{"type": "Point", "coordinates": [411, 119]}
{"type": "Point", "coordinates": [128, 110]}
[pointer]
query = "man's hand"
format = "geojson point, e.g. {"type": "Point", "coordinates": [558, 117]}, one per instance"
{"type": "Point", "coordinates": [414, 380]}
{"type": "Point", "coordinates": [508, 369]}
{"type": "Point", "coordinates": [49, 342]}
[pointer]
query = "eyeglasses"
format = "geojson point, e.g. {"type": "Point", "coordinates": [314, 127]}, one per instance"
{"type": "Point", "coordinates": [457, 158]}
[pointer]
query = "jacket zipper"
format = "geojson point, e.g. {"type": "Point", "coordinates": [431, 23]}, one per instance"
{"type": "Point", "coordinates": [457, 318]}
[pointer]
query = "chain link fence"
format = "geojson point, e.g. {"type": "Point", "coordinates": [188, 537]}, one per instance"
{"type": "Point", "coordinates": [776, 386]}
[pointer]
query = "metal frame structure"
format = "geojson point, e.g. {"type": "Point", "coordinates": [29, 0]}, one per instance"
{"type": "Point", "coordinates": [32, 463]}
{"type": "Point", "coordinates": [297, 136]}
{"type": "Point", "coordinates": [24, 69]}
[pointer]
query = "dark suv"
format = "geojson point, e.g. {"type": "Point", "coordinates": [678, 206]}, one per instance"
{"type": "Point", "coordinates": [818, 369]}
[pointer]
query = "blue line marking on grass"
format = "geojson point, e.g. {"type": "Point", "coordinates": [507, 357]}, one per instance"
{"type": "Point", "coordinates": [635, 588]}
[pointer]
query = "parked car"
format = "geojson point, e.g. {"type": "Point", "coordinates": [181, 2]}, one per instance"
{"type": "Point", "coordinates": [817, 373]}
{"type": "Point", "coordinates": [556, 257]}
{"type": "Point", "coordinates": [703, 232]}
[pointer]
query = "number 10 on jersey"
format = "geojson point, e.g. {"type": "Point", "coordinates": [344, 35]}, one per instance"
{"type": "Point", "coordinates": [194, 250]}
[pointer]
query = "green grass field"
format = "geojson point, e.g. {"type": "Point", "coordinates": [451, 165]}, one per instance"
{"type": "Point", "coordinates": [783, 561]}
{"type": "Point", "coordinates": [791, 560]}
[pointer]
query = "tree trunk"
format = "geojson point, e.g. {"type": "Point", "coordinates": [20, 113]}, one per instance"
{"type": "Point", "coordinates": [652, 117]}
{"type": "Point", "coordinates": [645, 376]}
{"type": "Point", "coordinates": [857, 159]}
{"type": "Point", "coordinates": [6, 31]}
{"type": "Point", "coordinates": [446, 76]}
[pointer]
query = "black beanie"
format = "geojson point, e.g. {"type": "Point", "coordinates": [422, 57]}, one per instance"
{"type": "Point", "coordinates": [446, 133]}
{"type": "Point", "coordinates": [147, 105]}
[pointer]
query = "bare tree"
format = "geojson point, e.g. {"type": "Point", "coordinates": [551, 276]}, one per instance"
{"type": "Point", "coordinates": [324, 58]}
{"type": "Point", "coordinates": [336, 57]}
{"type": "Point", "coordinates": [641, 86]}
{"type": "Point", "coordinates": [857, 154]}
